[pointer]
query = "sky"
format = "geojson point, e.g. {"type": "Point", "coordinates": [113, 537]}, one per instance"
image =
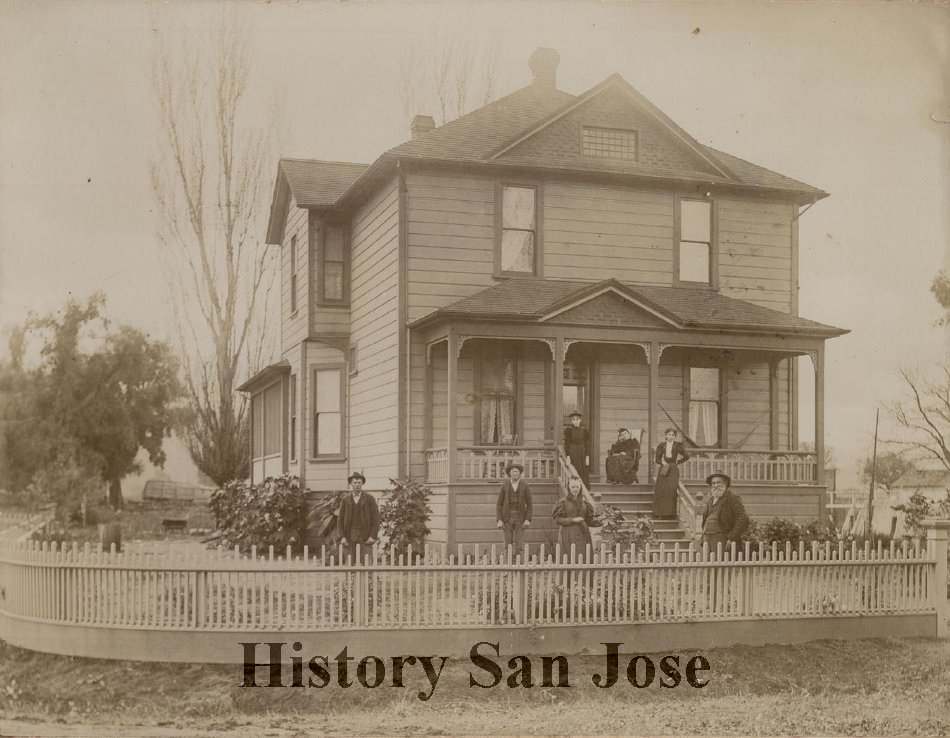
{"type": "Point", "coordinates": [840, 95]}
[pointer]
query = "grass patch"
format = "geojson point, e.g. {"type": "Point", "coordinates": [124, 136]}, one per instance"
{"type": "Point", "coordinates": [873, 687]}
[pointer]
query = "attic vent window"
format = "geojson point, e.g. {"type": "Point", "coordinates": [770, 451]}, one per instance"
{"type": "Point", "coordinates": [610, 143]}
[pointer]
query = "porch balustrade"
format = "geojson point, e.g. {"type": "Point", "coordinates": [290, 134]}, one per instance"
{"type": "Point", "coordinates": [759, 467]}
{"type": "Point", "coordinates": [479, 463]}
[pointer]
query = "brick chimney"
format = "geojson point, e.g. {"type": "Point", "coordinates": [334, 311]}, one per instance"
{"type": "Point", "coordinates": [543, 64]}
{"type": "Point", "coordinates": [421, 124]}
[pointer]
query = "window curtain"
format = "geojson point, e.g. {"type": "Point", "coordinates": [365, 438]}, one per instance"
{"type": "Point", "coordinates": [704, 423]}
{"type": "Point", "coordinates": [498, 401]}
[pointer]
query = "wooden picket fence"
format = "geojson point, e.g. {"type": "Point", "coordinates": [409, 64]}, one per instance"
{"type": "Point", "coordinates": [160, 587]}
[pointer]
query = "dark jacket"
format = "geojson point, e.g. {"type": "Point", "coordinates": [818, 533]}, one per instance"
{"type": "Point", "coordinates": [522, 501]}
{"type": "Point", "coordinates": [733, 519]}
{"type": "Point", "coordinates": [358, 522]}
{"type": "Point", "coordinates": [679, 453]}
{"type": "Point", "coordinates": [577, 437]}
{"type": "Point", "coordinates": [631, 447]}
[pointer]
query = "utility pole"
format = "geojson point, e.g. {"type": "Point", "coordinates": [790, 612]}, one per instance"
{"type": "Point", "coordinates": [868, 528]}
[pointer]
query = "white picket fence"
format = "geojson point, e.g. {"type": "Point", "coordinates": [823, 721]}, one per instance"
{"type": "Point", "coordinates": [159, 588]}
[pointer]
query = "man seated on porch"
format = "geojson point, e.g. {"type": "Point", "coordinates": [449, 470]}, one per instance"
{"type": "Point", "coordinates": [358, 522]}
{"type": "Point", "coordinates": [513, 510]}
{"type": "Point", "coordinates": [623, 459]}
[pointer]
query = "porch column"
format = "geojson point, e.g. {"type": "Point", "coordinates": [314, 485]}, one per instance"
{"type": "Point", "coordinates": [773, 404]}
{"type": "Point", "coordinates": [819, 359]}
{"type": "Point", "coordinates": [653, 362]}
{"type": "Point", "coordinates": [452, 396]}
{"type": "Point", "coordinates": [558, 404]}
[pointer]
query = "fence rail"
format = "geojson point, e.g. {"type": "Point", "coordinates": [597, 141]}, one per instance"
{"type": "Point", "coordinates": [472, 586]}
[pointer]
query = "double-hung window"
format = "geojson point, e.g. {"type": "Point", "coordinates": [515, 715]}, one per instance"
{"type": "Point", "coordinates": [327, 406]}
{"type": "Point", "coordinates": [704, 406]}
{"type": "Point", "coordinates": [497, 388]}
{"type": "Point", "coordinates": [695, 247]}
{"type": "Point", "coordinates": [518, 246]}
{"type": "Point", "coordinates": [332, 267]}
{"type": "Point", "coordinates": [293, 274]}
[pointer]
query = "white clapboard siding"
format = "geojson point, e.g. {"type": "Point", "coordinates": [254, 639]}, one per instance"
{"type": "Point", "coordinates": [294, 325]}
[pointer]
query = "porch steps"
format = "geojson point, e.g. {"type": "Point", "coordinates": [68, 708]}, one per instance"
{"type": "Point", "coordinates": [635, 499]}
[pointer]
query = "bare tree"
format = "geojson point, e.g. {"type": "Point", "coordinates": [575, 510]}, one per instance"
{"type": "Point", "coordinates": [925, 416]}
{"type": "Point", "coordinates": [208, 183]}
{"type": "Point", "coordinates": [448, 77]}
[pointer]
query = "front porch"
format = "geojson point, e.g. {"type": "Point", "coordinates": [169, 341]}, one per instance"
{"type": "Point", "coordinates": [498, 374]}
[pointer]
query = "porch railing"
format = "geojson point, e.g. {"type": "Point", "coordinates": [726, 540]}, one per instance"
{"type": "Point", "coordinates": [778, 467]}
{"type": "Point", "coordinates": [488, 463]}
{"type": "Point", "coordinates": [689, 511]}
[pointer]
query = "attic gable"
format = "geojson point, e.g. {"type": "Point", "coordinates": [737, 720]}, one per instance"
{"type": "Point", "coordinates": [610, 308]}
{"type": "Point", "coordinates": [613, 125]}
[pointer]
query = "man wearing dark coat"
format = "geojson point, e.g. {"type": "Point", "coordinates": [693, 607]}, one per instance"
{"type": "Point", "coordinates": [513, 509]}
{"type": "Point", "coordinates": [725, 518]}
{"type": "Point", "coordinates": [358, 521]}
{"type": "Point", "coordinates": [577, 447]}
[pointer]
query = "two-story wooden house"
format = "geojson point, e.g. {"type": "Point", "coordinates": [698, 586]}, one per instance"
{"type": "Point", "coordinates": [445, 308]}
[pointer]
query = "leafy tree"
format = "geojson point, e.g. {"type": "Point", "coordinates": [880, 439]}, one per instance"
{"type": "Point", "coordinates": [97, 396]}
{"type": "Point", "coordinates": [890, 467]}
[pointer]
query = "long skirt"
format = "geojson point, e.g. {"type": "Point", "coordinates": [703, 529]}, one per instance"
{"type": "Point", "coordinates": [578, 455]}
{"type": "Point", "coordinates": [577, 535]}
{"type": "Point", "coordinates": [621, 468]}
{"type": "Point", "coordinates": [664, 492]}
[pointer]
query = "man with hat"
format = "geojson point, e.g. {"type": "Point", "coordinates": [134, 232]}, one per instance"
{"type": "Point", "coordinates": [725, 519]}
{"type": "Point", "coordinates": [577, 447]}
{"type": "Point", "coordinates": [513, 510]}
{"type": "Point", "coordinates": [358, 521]}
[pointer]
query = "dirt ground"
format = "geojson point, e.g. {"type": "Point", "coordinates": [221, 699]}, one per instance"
{"type": "Point", "coordinates": [878, 687]}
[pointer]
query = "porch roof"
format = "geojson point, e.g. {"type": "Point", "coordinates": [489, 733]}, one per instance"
{"type": "Point", "coordinates": [265, 376]}
{"type": "Point", "coordinates": [540, 300]}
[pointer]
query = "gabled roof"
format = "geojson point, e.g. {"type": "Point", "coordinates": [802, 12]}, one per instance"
{"type": "Point", "coordinates": [312, 184]}
{"type": "Point", "coordinates": [319, 184]}
{"type": "Point", "coordinates": [923, 478]}
{"type": "Point", "coordinates": [536, 300]}
{"type": "Point", "coordinates": [488, 133]}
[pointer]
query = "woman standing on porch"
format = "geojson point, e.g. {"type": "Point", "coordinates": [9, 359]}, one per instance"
{"type": "Point", "coordinates": [669, 455]}
{"type": "Point", "coordinates": [573, 515]}
{"type": "Point", "coordinates": [577, 447]}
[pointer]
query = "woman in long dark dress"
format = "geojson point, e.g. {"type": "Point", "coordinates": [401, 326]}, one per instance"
{"type": "Point", "coordinates": [577, 447]}
{"type": "Point", "coordinates": [623, 459]}
{"type": "Point", "coordinates": [669, 455]}
{"type": "Point", "coordinates": [573, 515]}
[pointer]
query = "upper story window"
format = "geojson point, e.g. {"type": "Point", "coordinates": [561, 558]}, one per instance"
{"type": "Point", "coordinates": [609, 143]}
{"type": "Point", "coordinates": [331, 255]}
{"type": "Point", "coordinates": [293, 274]}
{"type": "Point", "coordinates": [704, 404]}
{"type": "Point", "coordinates": [518, 240]}
{"type": "Point", "coordinates": [695, 247]}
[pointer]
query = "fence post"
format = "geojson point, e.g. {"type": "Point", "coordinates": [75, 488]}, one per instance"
{"type": "Point", "coordinates": [359, 600]}
{"type": "Point", "coordinates": [937, 547]}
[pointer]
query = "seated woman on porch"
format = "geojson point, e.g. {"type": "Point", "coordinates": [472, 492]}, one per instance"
{"type": "Point", "coordinates": [623, 459]}
{"type": "Point", "coordinates": [669, 455]}
{"type": "Point", "coordinates": [574, 514]}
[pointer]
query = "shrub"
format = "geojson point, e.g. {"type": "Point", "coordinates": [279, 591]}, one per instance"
{"type": "Point", "coordinates": [268, 514]}
{"type": "Point", "coordinates": [918, 508]}
{"type": "Point", "coordinates": [616, 529]}
{"type": "Point", "coordinates": [403, 517]}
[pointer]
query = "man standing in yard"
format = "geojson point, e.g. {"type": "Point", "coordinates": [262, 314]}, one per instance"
{"type": "Point", "coordinates": [725, 519]}
{"type": "Point", "coordinates": [358, 522]}
{"type": "Point", "coordinates": [513, 510]}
